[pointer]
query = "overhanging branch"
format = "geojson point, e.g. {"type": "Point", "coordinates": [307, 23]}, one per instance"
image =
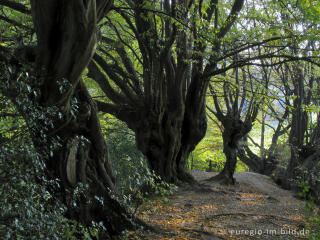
{"type": "Point", "coordinates": [250, 62]}
{"type": "Point", "coordinates": [15, 6]}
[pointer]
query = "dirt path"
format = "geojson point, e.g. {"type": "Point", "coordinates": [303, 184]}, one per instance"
{"type": "Point", "coordinates": [255, 208]}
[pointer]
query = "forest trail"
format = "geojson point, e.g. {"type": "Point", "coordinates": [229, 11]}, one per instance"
{"type": "Point", "coordinates": [255, 208]}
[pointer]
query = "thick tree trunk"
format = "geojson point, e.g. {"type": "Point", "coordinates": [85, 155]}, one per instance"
{"type": "Point", "coordinates": [257, 164]}
{"type": "Point", "coordinates": [83, 158]}
{"type": "Point", "coordinates": [159, 139]}
{"type": "Point", "coordinates": [66, 35]}
{"type": "Point", "coordinates": [194, 125]}
{"type": "Point", "coordinates": [168, 142]}
{"type": "Point", "coordinates": [234, 131]}
{"type": "Point", "coordinates": [268, 164]}
{"type": "Point", "coordinates": [298, 126]}
{"type": "Point", "coordinates": [164, 132]}
{"type": "Point", "coordinates": [167, 131]}
{"type": "Point", "coordinates": [167, 114]}
{"type": "Point", "coordinates": [230, 149]}
{"type": "Point", "coordinates": [226, 176]}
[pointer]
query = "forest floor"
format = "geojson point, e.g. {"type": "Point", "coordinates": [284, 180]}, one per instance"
{"type": "Point", "coordinates": [254, 208]}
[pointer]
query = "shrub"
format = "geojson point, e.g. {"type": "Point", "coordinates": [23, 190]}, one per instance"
{"type": "Point", "coordinates": [27, 209]}
{"type": "Point", "coordinates": [314, 219]}
{"type": "Point", "coordinates": [134, 180]}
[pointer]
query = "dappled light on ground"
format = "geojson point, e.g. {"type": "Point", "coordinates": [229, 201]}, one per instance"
{"type": "Point", "coordinates": [251, 198]}
{"type": "Point", "coordinates": [243, 211]}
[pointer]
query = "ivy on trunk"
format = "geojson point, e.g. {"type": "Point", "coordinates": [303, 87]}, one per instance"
{"type": "Point", "coordinates": [68, 130]}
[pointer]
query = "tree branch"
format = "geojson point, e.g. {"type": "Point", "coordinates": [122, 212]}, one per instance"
{"type": "Point", "coordinates": [231, 18]}
{"type": "Point", "coordinates": [104, 84]}
{"type": "Point", "coordinates": [15, 23]}
{"type": "Point", "coordinates": [15, 6]}
{"type": "Point", "coordinates": [112, 71]}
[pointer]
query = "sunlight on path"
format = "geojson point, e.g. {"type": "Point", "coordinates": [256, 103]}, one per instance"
{"type": "Point", "coordinates": [254, 208]}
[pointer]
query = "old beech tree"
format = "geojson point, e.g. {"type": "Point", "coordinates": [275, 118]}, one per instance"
{"type": "Point", "coordinates": [66, 39]}
{"type": "Point", "coordinates": [157, 83]}
{"type": "Point", "coordinates": [241, 101]}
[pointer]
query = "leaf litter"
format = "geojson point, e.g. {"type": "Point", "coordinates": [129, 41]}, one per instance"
{"type": "Point", "coordinates": [254, 208]}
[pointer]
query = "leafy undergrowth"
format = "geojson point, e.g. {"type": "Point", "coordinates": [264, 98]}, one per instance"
{"type": "Point", "coordinates": [254, 208]}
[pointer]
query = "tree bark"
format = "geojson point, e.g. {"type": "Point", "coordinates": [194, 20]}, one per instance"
{"type": "Point", "coordinates": [66, 35]}
{"type": "Point", "coordinates": [167, 140]}
{"type": "Point", "coordinates": [257, 164]}
{"type": "Point", "coordinates": [254, 162]}
{"type": "Point", "coordinates": [230, 149]}
{"type": "Point", "coordinates": [159, 139]}
{"type": "Point", "coordinates": [194, 125]}
{"type": "Point", "coordinates": [298, 130]}
{"type": "Point", "coordinates": [269, 162]}
{"type": "Point", "coordinates": [83, 158]}
{"type": "Point", "coordinates": [166, 132]}
{"type": "Point", "coordinates": [226, 176]}
{"type": "Point", "coordinates": [234, 131]}
{"type": "Point", "coordinates": [162, 101]}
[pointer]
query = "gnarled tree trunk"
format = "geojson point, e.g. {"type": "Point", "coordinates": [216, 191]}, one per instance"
{"type": "Point", "coordinates": [165, 133]}
{"type": "Point", "coordinates": [162, 100]}
{"type": "Point", "coordinates": [168, 138]}
{"type": "Point", "coordinates": [83, 158]}
{"type": "Point", "coordinates": [194, 123]}
{"type": "Point", "coordinates": [298, 129]}
{"type": "Point", "coordinates": [66, 37]}
{"type": "Point", "coordinates": [226, 176]}
{"type": "Point", "coordinates": [159, 139]}
{"type": "Point", "coordinates": [234, 131]}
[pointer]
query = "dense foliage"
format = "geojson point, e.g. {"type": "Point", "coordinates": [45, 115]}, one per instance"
{"type": "Point", "coordinates": [135, 182]}
{"type": "Point", "coordinates": [28, 210]}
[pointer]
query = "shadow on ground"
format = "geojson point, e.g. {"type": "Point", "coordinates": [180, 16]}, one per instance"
{"type": "Point", "coordinates": [254, 208]}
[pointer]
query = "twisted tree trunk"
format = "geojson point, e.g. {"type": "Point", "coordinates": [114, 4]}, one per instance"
{"type": "Point", "coordinates": [226, 176]}
{"type": "Point", "coordinates": [167, 138]}
{"type": "Point", "coordinates": [70, 135]}
{"type": "Point", "coordinates": [233, 132]}
{"type": "Point", "coordinates": [298, 129]}
{"type": "Point", "coordinates": [167, 133]}
{"type": "Point", "coordinates": [163, 100]}
{"type": "Point", "coordinates": [159, 139]}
